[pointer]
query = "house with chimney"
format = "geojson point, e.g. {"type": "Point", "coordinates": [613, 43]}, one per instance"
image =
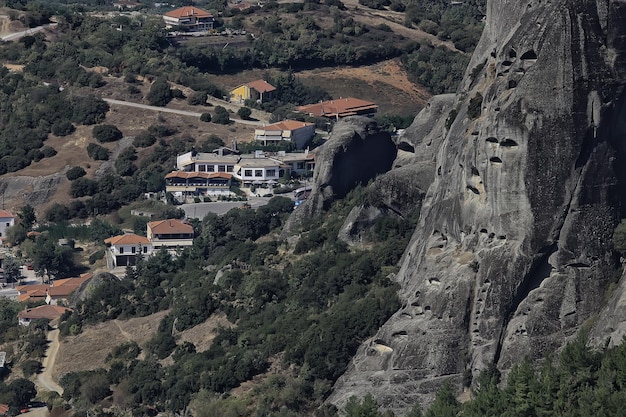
{"type": "Point", "coordinates": [189, 19]}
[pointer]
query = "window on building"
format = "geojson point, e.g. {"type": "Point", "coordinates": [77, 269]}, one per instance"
{"type": "Point", "coordinates": [230, 168]}
{"type": "Point", "coordinates": [247, 173]}
{"type": "Point", "coordinates": [145, 249]}
{"type": "Point", "coordinates": [122, 249]}
{"type": "Point", "coordinates": [132, 249]}
{"type": "Point", "coordinates": [271, 172]}
{"type": "Point", "coordinates": [258, 172]}
{"type": "Point", "coordinates": [210, 168]}
{"type": "Point", "coordinates": [202, 168]}
{"type": "Point", "coordinates": [300, 165]}
{"type": "Point", "coordinates": [221, 168]}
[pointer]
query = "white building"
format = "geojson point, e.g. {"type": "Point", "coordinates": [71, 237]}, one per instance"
{"type": "Point", "coordinates": [299, 133]}
{"type": "Point", "coordinates": [6, 220]}
{"type": "Point", "coordinates": [123, 249]}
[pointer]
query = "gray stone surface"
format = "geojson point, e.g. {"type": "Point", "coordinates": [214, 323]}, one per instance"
{"type": "Point", "coordinates": [512, 254]}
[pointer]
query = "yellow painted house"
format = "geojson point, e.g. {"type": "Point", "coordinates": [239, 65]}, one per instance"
{"type": "Point", "coordinates": [259, 90]}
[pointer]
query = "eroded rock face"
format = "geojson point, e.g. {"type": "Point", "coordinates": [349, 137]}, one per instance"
{"type": "Point", "coordinates": [356, 152]}
{"type": "Point", "coordinates": [512, 253]}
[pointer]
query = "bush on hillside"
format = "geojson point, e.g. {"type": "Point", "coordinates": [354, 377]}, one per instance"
{"type": "Point", "coordinates": [75, 173]}
{"type": "Point", "coordinates": [97, 152]}
{"type": "Point", "coordinates": [106, 133]}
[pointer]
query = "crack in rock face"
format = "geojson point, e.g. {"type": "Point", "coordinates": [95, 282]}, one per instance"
{"type": "Point", "coordinates": [513, 249]}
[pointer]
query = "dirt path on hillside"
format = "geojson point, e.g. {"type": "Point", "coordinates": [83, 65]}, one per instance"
{"type": "Point", "coordinates": [44, 379]}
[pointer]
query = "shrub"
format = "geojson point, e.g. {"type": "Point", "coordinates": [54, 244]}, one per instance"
{"type": "Point", "coordinates": [106, 133]}
{"type": "Point", "coordinates": [75, 173]}
{"type": "Point", "coordinates": [198, 98]}
{"type": "Point", "coordinates": [31, 367]}
{"type": "Point", "coordinates": [144, 139]}
{"type": "Point", "coordinates": [244, 113]}
{"type": "Point", "coordinates": [161, 131]}
{"type": "Point", "coordinates": [160, 93]}
{"type": "Point", "coordinates": [47, 152]}
{"type": "Point", "coordinates": [132, 89]}
{"type": "Point", "coordinates": [221, 116]}
{"type": "Point", "coordinates": [89, 110]}
{"type": "Point", "coordinates": [62, 128]}
{"type": "Point", "coordinates": [96, 256]}
{"type": "Point", "coordinates": [97, 152]}
{"type": "Point", "coordinates": [205, 117]}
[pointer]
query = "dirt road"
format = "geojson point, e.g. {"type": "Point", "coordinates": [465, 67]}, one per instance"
{"type": "Point", "coordinates": [44, 379]}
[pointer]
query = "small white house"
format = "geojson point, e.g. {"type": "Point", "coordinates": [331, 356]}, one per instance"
{"type": "Point", "coordinates": [6, 220]}
{"type": "Point", "coordinates": [123, 249]}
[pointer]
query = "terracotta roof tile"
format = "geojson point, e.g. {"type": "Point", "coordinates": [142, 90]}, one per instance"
{"type": "Point", "coordinates": [261, 86]}
{"type": "Point", "coordinates": [127, 239]}
{"type": "Point", "coordinates": [5, 214]}
{"type": "Point", "coordinates": [287, 125]}
{"type": "Point", "coordinates": [43, 312]}
{"type": "Point", "coordinates": [342, 107]}
{"type": "Point", "coordinates": [170, 226]}
{"type": "Point", "coordinates": [188, 11]}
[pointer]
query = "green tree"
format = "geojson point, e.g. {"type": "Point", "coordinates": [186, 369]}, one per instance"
{"type": "Point", "coordinates": [11, 268]}
{"type": "Point", "coordinates": [106, 133]}
{"type": "Point", "coordinates": [27, 216]}
{"type": "Point", "coordinates": [75, 173]}
{"type": "Point", "coordinates": [445, 404]}
{"type": "Point", "coordinates": [366, 408]}
{"type": "Point", "coordinates": [160, 93]}
{"type": "Point", "coordinates": [49, 258]}
{"type": "Point", "coordinates": [23, 391]}
{"type": "Point", "coordinates": [221, 116]}
{"type": "Point", "coordinates": [16, 234]}
{"type": "Point", "coordinates": [244, 113]}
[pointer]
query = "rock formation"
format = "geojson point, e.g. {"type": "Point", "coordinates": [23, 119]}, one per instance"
{"type": "Point", "coordinates": [356, 152]}
{"type": "Point", "coordinates": [513, 250]}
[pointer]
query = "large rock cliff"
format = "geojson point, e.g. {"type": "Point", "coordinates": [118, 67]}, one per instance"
{"type": "Point", "coordinates": [513, 250]}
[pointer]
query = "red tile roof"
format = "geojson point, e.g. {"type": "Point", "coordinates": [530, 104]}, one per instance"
{"type": "Point", "coordinates": [170, 226]}
{"type": "Point", "coordinates": [287, 125]}
{"type": "Point", "coordinates": [343, 107]}
{"type": "Point", "coordinates": [4, 408]}
{"type": "Point", "coordinates": [5, 214]}
{"type": "Point", "coordinates": [58, 288]}
{"type": "Point", "coordinates": [261, 86]}
{"type": "Point", "coordinates": [127, 239]}
{"type": "Point", "coordinates": [188, 11]}
{"type": "Point", "coordinates": [43, 312]}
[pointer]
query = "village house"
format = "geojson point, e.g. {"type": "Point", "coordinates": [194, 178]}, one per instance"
{"type": "Point", "coordinates": [123, 249]}
{"type": "Point", "coordinates": [299, 133]}
{"type": "Point", "coordinates": [170, 234]}
{"type": "Point", "coordinates": [259, 91]}
{"type": "Point", "coordinates": [6, 220]}
{"type": "Point", "coordinates": [47, 312]}
{"type": "Point", "coordinates": [190, 19]}
{"type": "Point", "coordinates": [181, 183]}
{"type": "Point", "coordinates": [260, 168]}
{"type": "Point", "coordinates": [126, 5]}
{"type": "Point", "coordinates": [337, 109]}
{"type": "Point", "coordinates": [58, 291]}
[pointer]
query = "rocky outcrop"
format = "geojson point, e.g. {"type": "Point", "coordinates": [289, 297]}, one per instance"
{"type": "Point", "coordinates": [512, 253]}
{"type": "Point", "coordinates": [35, 191]}
{"type": "Point", "coordinates": [87, 288]}
{"type": "Point", "coordinates": [356, 152]}
{"type": "Point", "coordinates": [400, 191]}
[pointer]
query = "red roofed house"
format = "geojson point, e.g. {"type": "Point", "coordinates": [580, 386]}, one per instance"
{"type": "Point", "coordinates": [123, 249]}
{"type": "Point", "coordinates": [259, 90]}
{"type": "Point", "coordinates": [171, 234]}
{"type": "Point", "coordinates": [4, 409]}
{"type": "Point", "coordinates": [300, 133]}
{"type": "Point", "coordinates": [57, 290]}
{"type": "Point", "coordinates": [190, 18]}
{"type": "Point", "coordinates": [342, 107]}
{"type": "Point", "coordinates": [49, 312]}
{"type": "Point", "coordinates": [6, 220]}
